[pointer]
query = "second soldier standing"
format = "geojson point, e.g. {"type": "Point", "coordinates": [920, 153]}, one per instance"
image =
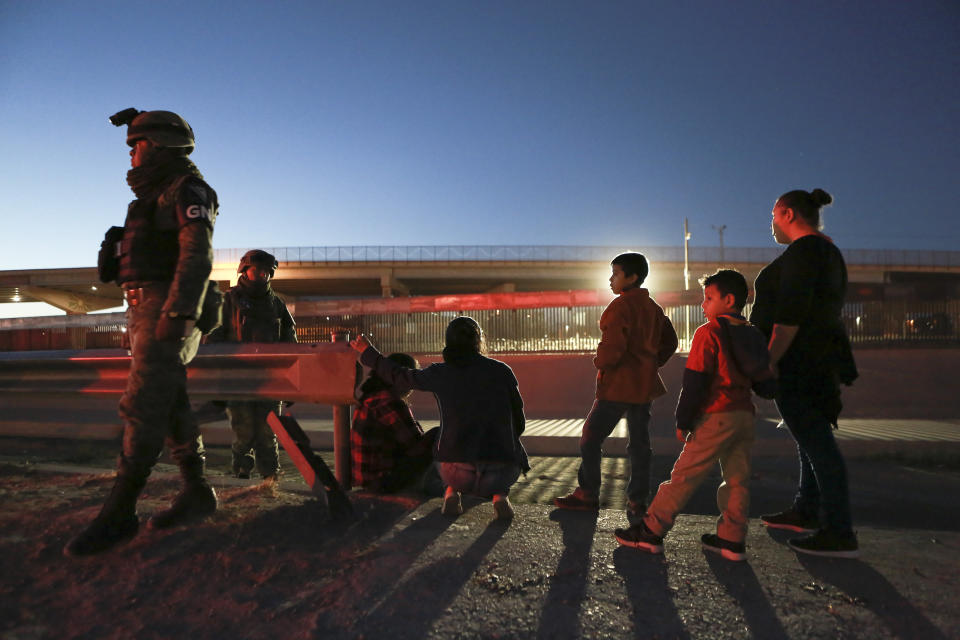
{"type": "Point", "coordinates": [253, 312]}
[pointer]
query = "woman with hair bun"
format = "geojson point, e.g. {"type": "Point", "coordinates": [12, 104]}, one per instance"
{"type": "Point", "coordinates": [481, 415]}
{"type": "Point", "coordinates": [798, 302]}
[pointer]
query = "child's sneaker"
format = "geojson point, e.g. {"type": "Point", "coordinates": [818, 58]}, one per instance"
{"type": "Point", "coordinates": [578, 501]}
{"type": "Point", "coordinates": [639, 537]}
{"type": "Point", "coordinates": [502, 507]}
{"type": "Point", "coordinates": [791, 520]}
{"type": "Point", "coordinates": [828, 543]}
{"type": "Point", "coordinates": [736, 551]}
{"type": "Point", "coordinates": [451, 503]}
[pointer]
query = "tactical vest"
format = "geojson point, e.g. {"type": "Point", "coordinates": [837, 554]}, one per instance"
{"type": "Point", "coordinates": [255, 319]}
{"type": "Point", "coordinates": [150, 246]}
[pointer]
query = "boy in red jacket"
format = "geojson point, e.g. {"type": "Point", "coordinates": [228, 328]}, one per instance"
{"type": "Point", "coordinates": [636, 340]}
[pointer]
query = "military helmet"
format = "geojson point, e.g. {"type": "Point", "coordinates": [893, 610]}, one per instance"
{"type": "Point", "coordinates": [162, 128]}
{"type": "Point", "coordinates": [258, 258]}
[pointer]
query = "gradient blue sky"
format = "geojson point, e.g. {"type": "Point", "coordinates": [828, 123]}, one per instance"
{"type": "Point", "coordinates": [600, 123]}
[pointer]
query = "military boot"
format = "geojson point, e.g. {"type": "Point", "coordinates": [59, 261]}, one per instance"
{"type": "Point", "coordinates": [116, 522]}
{"type": "Point", "coordinates": [196, 501]}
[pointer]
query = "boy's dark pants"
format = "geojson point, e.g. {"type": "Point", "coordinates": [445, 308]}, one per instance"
{"type": "Point", "coordinates": [601, 421]}
{"type": "Point", "coordinates": [823, 472]}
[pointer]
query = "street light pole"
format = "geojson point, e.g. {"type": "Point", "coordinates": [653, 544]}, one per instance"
{"type": "Point", "coordinates": [720, 229]}
{"type": "Point", "coordinates": [686, 282]}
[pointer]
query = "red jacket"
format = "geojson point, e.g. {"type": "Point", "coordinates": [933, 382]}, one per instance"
{"type": "Point", "coordinates": [637, 338]}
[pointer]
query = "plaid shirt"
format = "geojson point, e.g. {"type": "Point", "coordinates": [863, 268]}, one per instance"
{"type": "Point", "coordinates": [383, 431]}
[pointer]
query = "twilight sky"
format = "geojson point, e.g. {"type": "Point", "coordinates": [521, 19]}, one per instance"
{"type": "Point", "coordinates": [400, 122]}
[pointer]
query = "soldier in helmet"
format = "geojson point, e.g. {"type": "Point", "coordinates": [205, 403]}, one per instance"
{"type": "Point", "coordinates": [252, 312]}
{"type": "Point", "coordinates": [161, 258]}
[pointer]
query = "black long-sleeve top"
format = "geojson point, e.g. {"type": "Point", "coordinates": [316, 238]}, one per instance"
{"type": "Point", "coordinates": [805, 287]}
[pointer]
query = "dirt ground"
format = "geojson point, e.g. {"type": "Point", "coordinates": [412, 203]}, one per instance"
{"type": "Point", "coordinates": [272, 564]}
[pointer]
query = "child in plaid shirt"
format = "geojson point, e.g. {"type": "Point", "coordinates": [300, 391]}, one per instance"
{"type": "Point", "coordinates": [388, 447]}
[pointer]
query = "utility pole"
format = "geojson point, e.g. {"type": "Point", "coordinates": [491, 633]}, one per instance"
{"type": "Point", "coordinates": [720, 229]}
{"type": "Point", "coordinates": [686, 283]}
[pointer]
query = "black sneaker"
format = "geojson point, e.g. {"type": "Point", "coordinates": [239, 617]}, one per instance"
{"type": "Point", "coordinates": [791, 520]}
{"type": "Point", "coordinates": [736, 551]}
{"type": "Point", "coordinates": [577, 501]}
{"type": "Point", "coordinates": [639, 537]}
{"type": "Point", "coordinates": [827, 543]}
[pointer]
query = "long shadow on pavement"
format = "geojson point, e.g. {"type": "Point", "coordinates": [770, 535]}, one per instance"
{"type": "Point", "coordinates": [442, 580]}
{"type": "Point", "coordinates": [373, 573]}
{"type": "Point", "coordinates": [654, 611]}
{"type": "Point", "coordinates": [560, 614]}
{"type": "Point", "coordinates": [740, 581]}
{"type": "Point", "coordinates": [869, 588]}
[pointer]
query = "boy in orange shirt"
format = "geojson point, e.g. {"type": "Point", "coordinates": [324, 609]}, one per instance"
{"type": "Point", "coordinates": [715, 420]}
{"type": "Point", "coordinates": [636, 340]}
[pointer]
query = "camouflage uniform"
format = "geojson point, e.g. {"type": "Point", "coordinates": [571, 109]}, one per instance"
{"type": "Point", "coordinates": [162, 259]}
{"type": "Point", "coordinates": [254, 314]}
{"type": "Point", "coordinates": [154, 406]}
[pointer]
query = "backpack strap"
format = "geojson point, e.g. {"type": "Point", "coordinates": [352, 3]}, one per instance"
{"type": "Point", "coordinates": [763, 387]}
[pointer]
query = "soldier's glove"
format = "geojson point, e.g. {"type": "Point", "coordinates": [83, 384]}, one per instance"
{"type": "Point", "coordinates": [171, 326]}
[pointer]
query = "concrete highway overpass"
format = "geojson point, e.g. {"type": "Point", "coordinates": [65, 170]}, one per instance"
{"type": "Point", "coordinates": [322, 273]}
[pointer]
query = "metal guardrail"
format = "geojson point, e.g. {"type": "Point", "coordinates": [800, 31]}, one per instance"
{"type": "Point", "coordinates": [564, 253]}
{"type": "Point", "coordinates": [322, 373]}
{"type": "Point", "coordinates": [319, 373]}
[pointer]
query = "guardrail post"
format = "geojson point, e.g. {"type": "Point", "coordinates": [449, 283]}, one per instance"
{"type": "Point", "coordinates": [341, 430]}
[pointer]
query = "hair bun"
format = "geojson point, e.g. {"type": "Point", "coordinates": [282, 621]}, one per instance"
{"type": "Point", "coordinates": [821, 197]}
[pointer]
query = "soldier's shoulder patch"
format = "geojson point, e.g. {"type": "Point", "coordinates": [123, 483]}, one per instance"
{"type": "Point", "coordinates": [192, 190]}
{"type": "Point", "coordinates": [198, 191]}
{"type": "Point", "coordinates": [198, 212]}
{"type": "Point", "coordinates": [196, 202]}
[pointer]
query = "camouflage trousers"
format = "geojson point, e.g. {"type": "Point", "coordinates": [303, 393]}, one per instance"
{"type": "Point", "coordinates": [253, 440]}
{"type": "Point", "coordinates": [154, 407]}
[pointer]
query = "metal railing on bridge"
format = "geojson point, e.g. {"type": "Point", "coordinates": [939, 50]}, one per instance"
{"type": "Point", "coordinates": [566, 329]}
{"type": "Point", "coordinates": [564, 253]}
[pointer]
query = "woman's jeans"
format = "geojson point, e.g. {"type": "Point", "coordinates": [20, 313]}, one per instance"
{"type": "Point", "coordinates": [599, 424]}
{"type": "Point", "coordinates": [484, 479]}
{"type": "Point", "coordinates": [823, 472]}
